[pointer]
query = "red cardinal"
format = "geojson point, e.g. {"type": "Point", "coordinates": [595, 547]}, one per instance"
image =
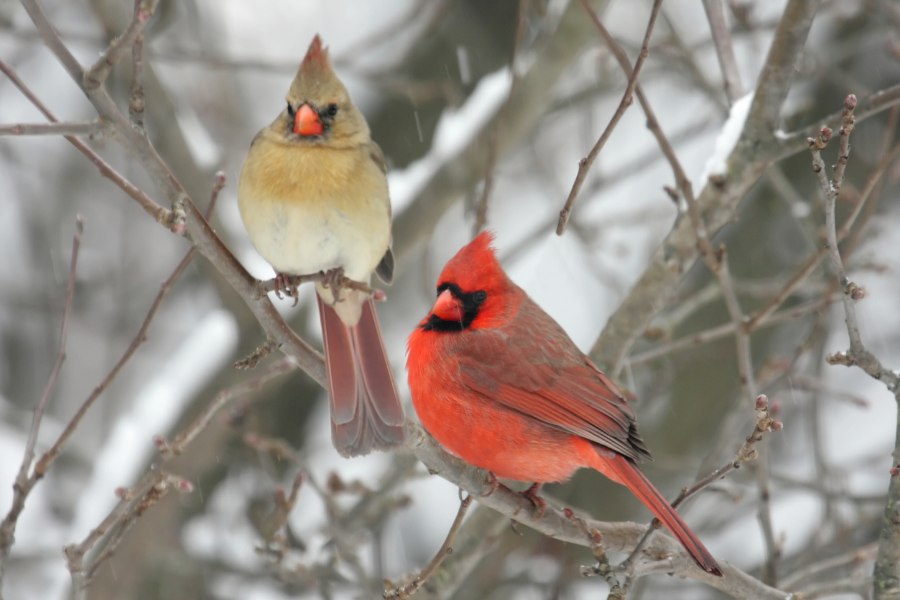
{"type": "Point", "coordinates": [499, 383]}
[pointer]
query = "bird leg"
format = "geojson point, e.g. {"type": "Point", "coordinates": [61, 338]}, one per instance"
{"type": "Point", "coordinates": [332, 279]}
{"type": "Point", "coordinates": [532, 494]}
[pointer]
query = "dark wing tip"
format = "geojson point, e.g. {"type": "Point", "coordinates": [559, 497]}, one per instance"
{"type": "Point", "coordinates": [385, 269]}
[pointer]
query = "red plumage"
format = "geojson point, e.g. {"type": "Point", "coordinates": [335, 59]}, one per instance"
{"type": "Point", "coordinates": [500, 384]}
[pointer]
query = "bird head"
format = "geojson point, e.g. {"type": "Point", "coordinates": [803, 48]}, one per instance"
{"type": "Point", "coordinates": [319, 109]}
{"type": "Point", "coordinates": [473, 290]}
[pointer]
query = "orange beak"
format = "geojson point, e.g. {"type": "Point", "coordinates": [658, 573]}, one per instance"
{"type": "Point", "coordinates": [448, 308]}
{"type": "Point", "coordinates": [307, 121]}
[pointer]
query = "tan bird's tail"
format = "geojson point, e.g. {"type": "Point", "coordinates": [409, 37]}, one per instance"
{"type": "Point", "coordinates": [366, 413]}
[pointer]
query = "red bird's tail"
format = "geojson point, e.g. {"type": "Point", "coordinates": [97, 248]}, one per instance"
{"type": "Point", "coordinates": [366, 413]}
{"type": "Point", "coordinates": [624, 471]}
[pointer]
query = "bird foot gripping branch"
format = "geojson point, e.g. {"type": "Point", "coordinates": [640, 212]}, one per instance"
{"type": "Point", "coordinates": [539, 503]}
{"type": "Point", "coordinates": [288, 285]}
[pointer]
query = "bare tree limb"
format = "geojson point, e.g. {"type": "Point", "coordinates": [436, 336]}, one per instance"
{"type": "Point", "coordinates": [481, 208]}
{"type": "Point", "coordinates": [887, 565]}
{"type": "Point", "coordinates": [136, 97]}
{"type": "Point", "coordinates": [535, 96]}
{"type": "Point", "coordinates": [24, 481]}
{"type": "Point", "coordinates": [855, 557]}
{"type": "Point", "coordinates": [748, 451]}
{"type": "Point", "coordinates": [53, 453]}
{"type": "Point", "coordinates": [720, 331]}
{"type": "Point", "coordinates": [715, 14]}
{"type": "Point", "coordinates": [184, 215]}
{"type": "Point", "coordinates": [408, 589]}
{"type": "Point", "coordinates": [717, 202]}
{"type": "Point", "coordinates": [620, 537]}
{"type": "Point", "coordinates": [94, 128]}
{"type": "Point", "coordinates": [97, 74]}
{"type": "Point", "coordinates": [584, 165]}
{"type": "Point", "coordinates": [160, 214]}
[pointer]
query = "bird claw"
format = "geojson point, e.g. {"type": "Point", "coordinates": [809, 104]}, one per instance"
{"type": "Point", "coordinates": [283, 284]}
{"type": "Point", "coordinates": [539, 503]}
{"type": "Point", "coordinates": [332, 279]}
{"type": "Point", "coordinates": [493, 483]}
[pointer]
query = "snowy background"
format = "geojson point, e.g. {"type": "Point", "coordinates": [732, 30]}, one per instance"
{"type": "Point", "coordinates": [430, 77]}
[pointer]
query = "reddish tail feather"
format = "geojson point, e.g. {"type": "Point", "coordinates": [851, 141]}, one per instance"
{"type": "Point", "coordinates": [630, 476]}
{"type": "Point", "coordinates": [366, 413]}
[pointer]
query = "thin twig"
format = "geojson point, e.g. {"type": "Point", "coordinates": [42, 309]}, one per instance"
{"type": "Point", "coordinates": [253, 359]}
{"type": "Point", "coordinates": [584, 165]}
{"type": "Point", "coordinates": [130, 517]}
{"type": "Point", "coordinates": [53, 453]}
{"type": "Point", "coordinates": [720, 331]}
{"type": "Point", "coordinates": [747, 452]}
{"type": "Point", "coordinates": [93, 128]}
{"type": "Point", "coordinates": [405, 591]}
{"type": "Point", "coordinates": [160, 214]}
{"type": "Point", "coordinates": [183, 439]}
{"type": "Point", "coordinates": [155, 483]}
{"type": "Point", "coordinates": [724, 50]}
{"type": "Point", "coordinates": [136, 98]}
{"type": "Point", "coordinates": [849, 559]}
{"type": "Point", "coordinates": [595, 542]}
{"type": "Point", "coordinates": [715, 260]}
{"type": "Point", "coordinates": [97, 74]}
{"type": "Point", "coordinates": [24, 481]}
{"type": "Point", "coordinates": [812, 261]}
{"type": "Point", "coordinates": [481, 208]}
{"type": "Point", "coordinates": [887, 563]}
{"type": "Point", "coordinates": [812, 384]}
{"type": "Point", "coordinates": [185, 218]}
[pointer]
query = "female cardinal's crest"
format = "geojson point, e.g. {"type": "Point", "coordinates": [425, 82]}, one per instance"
{"type": "Point", "coordinates": [316, 59]}
{"type": "Point", "coordinates": [316, 82]}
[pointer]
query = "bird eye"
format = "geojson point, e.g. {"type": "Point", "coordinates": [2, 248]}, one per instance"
{"type": "Point", "coordinates": [290, 109]}
{"type": "Point", "coordinates": [332, 109]}
{"type": "Point", "coordinates": [479, 297]}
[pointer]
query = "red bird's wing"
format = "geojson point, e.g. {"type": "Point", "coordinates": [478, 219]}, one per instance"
{"type": "Point", "coordinates": [531, 366]}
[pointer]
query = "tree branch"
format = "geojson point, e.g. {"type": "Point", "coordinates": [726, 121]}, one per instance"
{"type": "Point", "coordinates": [185, 216]}
{"type": "Point", "coordinates": [24, 481]}
{"type": "Point", "coordinates": [887, 565]}
{"type": "Point", "coordinates": [584, 165]}
{"type": "Point", "coordinates": [718, 201]}
{"type": "Point", "coordinates": [724, 50]}
{"type": "Point", "coordinates": [97, 74]}
{"type": "Point", "coordinates": [93, 128]}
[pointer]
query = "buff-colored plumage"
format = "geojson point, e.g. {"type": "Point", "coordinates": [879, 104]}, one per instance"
{"type": "Point", "coordinates": [314, 197]}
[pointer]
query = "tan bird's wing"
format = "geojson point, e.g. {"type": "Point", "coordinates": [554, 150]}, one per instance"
{"type": "Point", "coordinates": [377, 156]}
{"type": "Point", "coordinates": [385, 269]}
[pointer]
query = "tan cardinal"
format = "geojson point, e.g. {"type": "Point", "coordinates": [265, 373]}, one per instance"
{"type": "Point", "coordinates": [314, 198]}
